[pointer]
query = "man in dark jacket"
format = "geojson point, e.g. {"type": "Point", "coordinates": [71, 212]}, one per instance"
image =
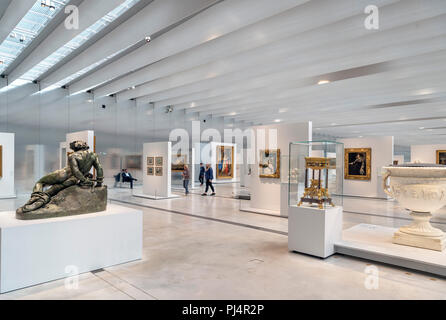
{"type": "Point", "coordinates": [127, 177]}
{"type": "Point", "coordinates": [201, 174]}
{"type": "Point", "coordinates": [209, 176]}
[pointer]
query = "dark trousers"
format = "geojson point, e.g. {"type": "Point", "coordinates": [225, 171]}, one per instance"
{"type": "Point", "coordinates": [209, 185]}
{"type": "Point", "coordinates": [186, 185]}
{"type": "Point", "coordinates": [201, 179]}
{"type": "Point", "coordinates": [129, 181]}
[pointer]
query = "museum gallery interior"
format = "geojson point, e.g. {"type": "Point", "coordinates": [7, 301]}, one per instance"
{"type": "Point", "coordinates": [222, 149]}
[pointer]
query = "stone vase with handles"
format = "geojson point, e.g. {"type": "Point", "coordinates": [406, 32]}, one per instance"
{"type": "Point", "coordinates": [420, 188]}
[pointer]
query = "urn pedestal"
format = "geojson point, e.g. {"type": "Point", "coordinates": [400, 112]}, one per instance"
{"type": "Point", "coordinates": [420, 188]}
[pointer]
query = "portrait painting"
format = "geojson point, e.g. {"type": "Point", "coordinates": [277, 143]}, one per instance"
{"type": "Point", "coordinates": [178, 162]}
{"type": "Point", "coordinates": [269, 164]}
{"type": "Point", "coordinates": [159, 171]}
{"type": "Point", "coordinates": [150, 161]}
{"type": "Point", "coordinates": [150, 171]}
{"type": "Point", "coordinates": [358, 164]}
{"type": "Point", "coordinates": [159, 161]}
{"type": "Point", "coordinates": [441, 157]}
{"type": "Point", "coordinates": [225, 162]}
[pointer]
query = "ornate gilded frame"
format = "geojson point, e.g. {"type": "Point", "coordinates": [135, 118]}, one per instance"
{"type": "Point", "coordinates": [221, 150]}
{"type": "Point", "coordinates": [438, 155]}
{"type": "Point", "coordinates": [368, 154]}
{"type": "Point", "coordinates": [151, 161]}
{"type": "Point", "coordinates": [275, 175]}
{"type": "Point", "coordinates": [159, 161]}
{"type": "Point", "coordinates": [159, 171]}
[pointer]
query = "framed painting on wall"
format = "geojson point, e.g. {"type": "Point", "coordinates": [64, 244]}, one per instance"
{"type": "Point", "coordinates": [150, 161]}
{"type": "Point", "coordinates": [133, 162]}
{"type": "Point", "coordinates": [159, 161]}
{"type": "Point", "coordinates": [178, 162]}
{"type": "Point", "coordinates": [269, 164]}
{"type": "Point", "coordinates": [150, 171]}
{"type": "Point", "coordinates": [358, 164]}
{"type": "Point", "coordinates": [225, 162]}
{"type": "Point", "coordinates": [441, 157]}
{"type": "Point", "coordinates": [159, 171]}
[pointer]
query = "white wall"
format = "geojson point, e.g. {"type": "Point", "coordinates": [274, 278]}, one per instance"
{"type": "Point", "coordinates": [159, 186]}
{"type": "Point", "coordinates": [425, 153]}
{"type": "Point", "coordinates": [399, 157]}
{"type": "Point", "coordinates": [266, 193]}
{"type": "Point", "coordinates": [382, 155]}
{"type": "Point", "coordinates": [7, 189]}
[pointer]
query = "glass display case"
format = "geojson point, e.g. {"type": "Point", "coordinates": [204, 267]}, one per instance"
{"type": "Point", "coordinates": [316, 171]}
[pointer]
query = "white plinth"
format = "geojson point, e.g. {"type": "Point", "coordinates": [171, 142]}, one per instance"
{"type": "Point", "coordinates": [314, 231]}
{"type": "Point", "coordinates": [374, 242]}
{"type": "Point", "coordinates": [38, 251]}
{"type": "Point", "coordinates": [141, 195]}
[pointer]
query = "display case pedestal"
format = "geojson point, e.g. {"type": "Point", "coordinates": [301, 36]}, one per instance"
{"type": "Point", "coordinates": [314, 231]}
{"type": "Point", "coordinates": [38, 251]}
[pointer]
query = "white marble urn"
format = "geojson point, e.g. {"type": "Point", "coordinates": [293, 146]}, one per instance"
{"type": "Point", "coordinates": [420, 188]}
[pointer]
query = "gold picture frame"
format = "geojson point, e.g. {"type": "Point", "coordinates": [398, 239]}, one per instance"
{"type": "Point", "coordinates": [358, 164]}
{"type": "Point", "coordinates": [178, 162]}
{"type": "Point", "coordinates": [441, 157]}
{"type": "Point", "coordinates": [150, 161]}
{"type": "Point", "coordinates": [1, 161]}
{"type": "Point", "coordinates": [225, 168]}
{"type": "Point", "coordinates": [159, 171]}
{"type": "Point", "coordinates": [150, 171]}
{"type": "Point", "coordinates": [274, 172]}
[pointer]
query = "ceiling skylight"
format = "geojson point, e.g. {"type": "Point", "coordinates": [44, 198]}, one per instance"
{"type": "Point", "coordinates": [27, 30]}
{"type": "Point", "coordinates": [78, 41]}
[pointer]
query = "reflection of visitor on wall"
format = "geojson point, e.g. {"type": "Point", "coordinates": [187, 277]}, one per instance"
{"type": "Point", "coordinates": [357, 167]}
{"type": "Point", "coordinates": [127, 177]}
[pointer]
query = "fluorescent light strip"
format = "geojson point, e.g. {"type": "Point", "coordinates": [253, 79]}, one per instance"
{"type": "Point", "coordinates": [77, 41]}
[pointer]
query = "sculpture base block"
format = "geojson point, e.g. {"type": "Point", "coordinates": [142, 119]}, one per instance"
{"type": "Point", "coordinates": [71, 201]}
{"type": "Point", "coordinates": [38, 251]}
{"type": "Point", "coordinates": [432, 243]}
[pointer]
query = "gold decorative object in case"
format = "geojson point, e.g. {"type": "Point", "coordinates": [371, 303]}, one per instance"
{"type": "Point", "coordinates": [315, 193]}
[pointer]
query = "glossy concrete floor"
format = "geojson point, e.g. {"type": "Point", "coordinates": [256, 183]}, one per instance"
{"type": "Point", "coordinates": [205, 248]}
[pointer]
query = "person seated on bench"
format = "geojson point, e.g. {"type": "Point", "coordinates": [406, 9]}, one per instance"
{"type": "Point", "coordinates": [118, 177]}
{"type": "Point", "coordinates": [127, 177]}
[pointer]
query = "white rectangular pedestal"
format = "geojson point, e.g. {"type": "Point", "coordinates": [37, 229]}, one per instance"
{"type": "Point", "coordinates": [38, 251]}
{"type": "Point", "coordinates": [374, 242]}
{"type": "Point", "coordinates": [314, 231]}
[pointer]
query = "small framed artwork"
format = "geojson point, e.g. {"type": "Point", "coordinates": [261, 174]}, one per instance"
{"type": "Point", "coordinates": [150, 161]}
{"type": "Point", "coordinates": [269, 166]}
{"type": "Point", "coordinates": [159, 171]}
{"type": "Point", "coordinates": [441, 157]}
{"type": "Point", "coordinates": [150, 171]}
{"type": "Point", "coordinates": [159, 161]}
{"type": "Point", "coordinates": [358, 164]}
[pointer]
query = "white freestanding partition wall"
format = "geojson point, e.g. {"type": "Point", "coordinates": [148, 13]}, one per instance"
{"type": "Point", "coordinates": [382, 155]}
{"type": "Point", "coordinates": [157, 187]}
{"type": "Point", "coordinates": [7, 187]}
{"type": "Point", "coordinates": [425, 153]}
{"type": "Point", "coordinates": [271, 195]}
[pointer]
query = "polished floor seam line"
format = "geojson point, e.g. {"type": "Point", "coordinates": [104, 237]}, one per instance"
{"type": "Point", "coordinates": [130, 284]}
{"type": "Point", "coordinates": [112, 285]}
{"type": "Point", "coordinates": [202, 217]}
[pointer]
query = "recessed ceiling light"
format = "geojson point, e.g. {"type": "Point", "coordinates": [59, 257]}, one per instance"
{"type": "Point", "coordinates": [333, 124]}
{"type": "Point", "coordinates": [421, 128]}
{"type": "Point", "coordinates": [277, 120]}
{"type": "Point", "coordinates": [323, 82]}
{"type": "Point", "coordinates": [233, 114]}
{"type": "Point", "coordinates": [423, 92]}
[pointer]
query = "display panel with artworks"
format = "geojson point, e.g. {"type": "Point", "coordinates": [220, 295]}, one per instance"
{"type": "Point", "coordinates": [159, 171]}
{"type": "Point", "coordinates": [225, 162]}
{"type": "Point", "coordinates": [178, 162]}
{"type": "Point", "coordinates": [269, 164]}
{"type": "Point", "coordinates": [441, 157]}
{"type": "Point", "coordinates": [358, 164]}
{"type": "Point", "coordinates": [316, 172]}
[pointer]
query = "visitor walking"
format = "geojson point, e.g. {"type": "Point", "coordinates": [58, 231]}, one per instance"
{"type": "Point", "coordinates": [201, 174]}
{"type": "Point", "coordinates": [186, 178]}
{"type": "Point", "coordinates": [209, 176]}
